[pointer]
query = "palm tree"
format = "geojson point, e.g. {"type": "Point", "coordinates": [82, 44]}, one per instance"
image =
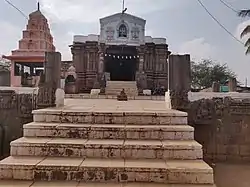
{"type": "Point", "coordinates": [245, 13]}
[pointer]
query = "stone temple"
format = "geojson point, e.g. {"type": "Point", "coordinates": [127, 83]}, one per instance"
{"type": "Point", "coordinates": [28, 60]}
{"type": "Point", "coordinates": [120, 54]}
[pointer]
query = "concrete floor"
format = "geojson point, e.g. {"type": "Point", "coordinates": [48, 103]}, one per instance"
{"type": "Point", "coordinates": [232, 175]}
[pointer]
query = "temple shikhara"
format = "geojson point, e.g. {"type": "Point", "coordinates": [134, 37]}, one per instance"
{"type": "Point", "coordinates": [29, 58]}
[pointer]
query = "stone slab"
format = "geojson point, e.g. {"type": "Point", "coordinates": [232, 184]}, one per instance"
{"type": "Point", "coordinates": [115, 170]}
{"type": "Point", "coordinates": [107, 148]}
{"type": "Point", "coordinates": [84, 184]}
{"type": "Point", "coordinates": [109, 131]}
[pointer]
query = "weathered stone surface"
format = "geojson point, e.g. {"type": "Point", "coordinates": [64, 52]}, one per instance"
{"type": "Point", "coordinates": [222, 127]}
{"type": "Point", "coordinates": [109, 142]}
{"type": "Point", "coordinates": [134, 149]}
{"type": "Point", "coordinates": [15, 110]}
{"type": "Point", "coordinates": [106, 170]}
{"type": "Point", "coordinates": [107, 131]}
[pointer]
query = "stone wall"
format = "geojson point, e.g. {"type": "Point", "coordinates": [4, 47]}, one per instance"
{"type": "Point", "coordinates": [222, 126]}
{"type": "Point", "coordinates": [4, 78]}
{"type": "Point", "coordinates": [15, 110]}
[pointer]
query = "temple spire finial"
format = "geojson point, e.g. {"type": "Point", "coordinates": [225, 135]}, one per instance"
{"type": "Point", "coordinates": [123, 7]}
{"type": "Point", "coordinates": [38, 5]}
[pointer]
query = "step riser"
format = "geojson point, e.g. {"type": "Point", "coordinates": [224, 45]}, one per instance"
{"type": "Point", "coordinates": [110, 119]}
{"type": "Point", "coordinates": [105, 152]}
{"type": "Point", "coordinates": [119, 134]}
{"type": "Point", "coordinates": [123, 175]}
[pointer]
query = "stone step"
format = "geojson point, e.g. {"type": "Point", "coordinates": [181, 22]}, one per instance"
{"type": "Point", "coordinates": [132, 149]}
{"type": "Point", "coordinates": [121, 82]}
{"type": "Point", "coordinates": [106, 170]}
{"type": "Point", "coordinates": [110, 116]}
{"type": "Point", "coordinates": [107, 131]}
{"type": "Point", "coordinates": [20, 183]}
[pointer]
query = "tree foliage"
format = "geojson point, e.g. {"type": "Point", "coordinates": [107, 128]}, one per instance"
{"type": "Point", "coordinates": [205, 72]}
{"type": "Point", "coordinates": [246, 31]}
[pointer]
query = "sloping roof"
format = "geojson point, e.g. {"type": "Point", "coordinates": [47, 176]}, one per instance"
{"type": "Point", "coordinates": [124, 15]}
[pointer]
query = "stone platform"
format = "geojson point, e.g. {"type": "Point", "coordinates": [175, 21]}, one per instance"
{"type": "Point", "coordinates": [107, 141]}
{"type": "Point", "coordinates": [89, 96]}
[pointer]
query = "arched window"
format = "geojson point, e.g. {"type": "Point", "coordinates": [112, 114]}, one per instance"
{"type": "Point", "coordinates": [123, 31]}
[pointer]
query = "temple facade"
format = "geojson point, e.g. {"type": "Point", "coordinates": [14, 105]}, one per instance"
{"type": "Point", "coordinates": [28, 60]}
{"type": "Point", "coordinates": [121, 52]}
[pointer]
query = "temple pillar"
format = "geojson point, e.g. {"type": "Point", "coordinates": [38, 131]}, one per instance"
{"type": "Point", "coordinates": [179, 81]}
{"type": "Point", "coordinates": [50, 80]}
{"type": "Point", "coordinates": [100, 82]}
{"type": "Point", "coordinates": [78, 64]}
{"type": "Point", "coordinates": [141, 77]}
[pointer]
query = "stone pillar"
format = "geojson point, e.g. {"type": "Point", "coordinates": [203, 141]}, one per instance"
{"type": "Point", "coordinates": [232, 85]}
{"type": "Point", "coordinates": [141, 78]}
{"type": "Point", "coordinates": [179, 81]}
{"type": "Point", "coordinates": [216, 87]}
{"type": "Point", "coordinates": [100, 82]}
{"type": "Point", "coordinates": [50, 81]}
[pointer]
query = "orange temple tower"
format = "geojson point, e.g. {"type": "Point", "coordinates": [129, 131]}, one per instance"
{"type": "Point", "coordinates": [27, 61]}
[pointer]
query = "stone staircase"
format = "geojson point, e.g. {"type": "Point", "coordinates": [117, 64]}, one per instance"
{"type": "Point", "coordinates": [108, 147]}
{"type": "Point", "coordinates": [115, 87]}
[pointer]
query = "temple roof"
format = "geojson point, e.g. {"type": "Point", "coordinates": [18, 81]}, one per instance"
{"type": "Point", "coordinates": [124, 15]}
{"type": "Point", "coordinates": [37, 13]}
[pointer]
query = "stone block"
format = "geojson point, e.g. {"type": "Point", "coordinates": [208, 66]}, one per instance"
{"type": "Point", "coordinates": [95, 92]}
{"type": "Point", "coordinates": [147, 92]}
{"type": "Point", "coordinates": [60, 95]}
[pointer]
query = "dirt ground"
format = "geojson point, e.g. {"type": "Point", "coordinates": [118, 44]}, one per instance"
{"type": "Point", "coordinates": [232, 175]}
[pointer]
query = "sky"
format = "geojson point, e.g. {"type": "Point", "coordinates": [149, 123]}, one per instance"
{"type": "Point", "coordinates": [184, 23]}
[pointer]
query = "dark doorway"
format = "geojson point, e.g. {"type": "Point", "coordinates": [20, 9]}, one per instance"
{"type": "Point", "coordinates": [121, 62]}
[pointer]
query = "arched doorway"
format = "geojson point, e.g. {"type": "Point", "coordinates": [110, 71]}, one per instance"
{"type": "Point", "coordinates": [121, 62]}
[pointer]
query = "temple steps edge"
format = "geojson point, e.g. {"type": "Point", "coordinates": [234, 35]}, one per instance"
{"type": "Point", "coordinates": [109, 131]}
{"type": "Point", "coordinates": [106, 170]}
{"type": "Point", "coordinates": [133, 149]}
{"type": "Point", "coordinates": [112, 117]}
{"type": "Point", "coordinates": [21, 183]}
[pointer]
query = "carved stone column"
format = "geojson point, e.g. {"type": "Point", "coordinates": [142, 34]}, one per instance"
{"type": "Point", "coordinates": [77, 62]}
{"type": "Point", "coordinates": [100, 82]}
{"type": "Point", "coordinates": [50, 80]}
{"type": "Point", "coordinates": [141, 77]}
{"type": "Point", "coordinates": [179, 81]}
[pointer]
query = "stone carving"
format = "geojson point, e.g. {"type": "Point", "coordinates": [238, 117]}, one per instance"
{"type": "Point", "coordinates": [141, 80]}
{"type": "Point", "coordinates": [46, 96]}
{"type": "Point", "coordinates": [179, 99]}
{"type": "Point", "coordinates": [110, 33]}
{"type": "Point", "coordinates": [123, 31]}
{"type": "Point", "coordinates": [7, 99]}
{"type": "Point", "coordinates": [135, 33]}
{"type": "Point", "coordinates": [123, 96]}
{"type": "Point", "coordinates": [70, 81]}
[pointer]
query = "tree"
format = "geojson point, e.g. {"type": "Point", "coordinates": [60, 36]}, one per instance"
{"type": "Point", "coordinates": [246, 31]}
{"type": "Point", "coordinates": [205, 72]}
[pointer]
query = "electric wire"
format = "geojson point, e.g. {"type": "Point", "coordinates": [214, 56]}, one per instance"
{"type": "Point", "coordinates": [218, 22]}
{"type": "Point", "coordinates": [20, 11]}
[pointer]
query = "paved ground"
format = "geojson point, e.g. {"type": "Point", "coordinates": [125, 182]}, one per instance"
{"type": "Point", "coordinates": [105, 105]}
{"type": "Point", "coordinates": [232, 175]}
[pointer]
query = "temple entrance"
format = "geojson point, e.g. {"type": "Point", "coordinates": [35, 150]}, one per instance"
{"type": "Point", "coordinates": [121, 62]}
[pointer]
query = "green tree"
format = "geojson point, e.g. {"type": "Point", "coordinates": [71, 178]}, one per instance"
{"type": "Point", "coordinates": [205, 72]}
{"type": "Point", "coordinates": [246, 31]}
